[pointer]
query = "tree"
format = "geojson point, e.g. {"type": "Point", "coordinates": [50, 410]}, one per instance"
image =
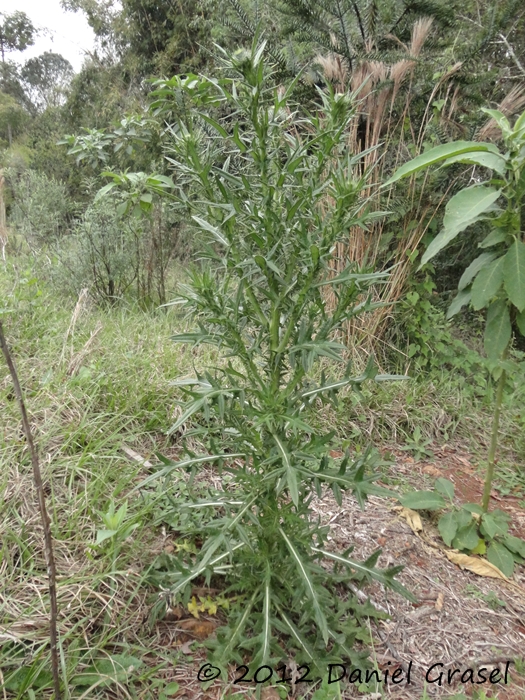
{"type": "Point", "coordinates": [46, 78]}
{"type": "Point", "coordinates": [147, 36]}
{"type": "Point", "coordinates": [13, 117]}
{"type": "Point", "coordinates": [17, 32]}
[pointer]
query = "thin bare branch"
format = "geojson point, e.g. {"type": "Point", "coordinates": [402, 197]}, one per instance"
{"type": "Point", "coordinates": [512, 54]}
{"type": "Point", "coordinates": [48, 540]}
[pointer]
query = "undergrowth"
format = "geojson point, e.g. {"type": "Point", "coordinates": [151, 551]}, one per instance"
{"type": "Point", "coordinates": [85, 403]}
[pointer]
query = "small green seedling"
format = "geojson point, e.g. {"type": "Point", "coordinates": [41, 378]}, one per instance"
{"type": "Point", "coordinates": [117, 529]}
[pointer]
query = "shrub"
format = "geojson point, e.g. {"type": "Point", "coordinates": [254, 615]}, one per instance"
{"type": "Point", "coordinates": [41, 210]}
{"type": "Point", "coordinates": [115, 254]}
{"type": "Point", "coordinates": [101, 254]}
{"type": "Point", "coordinates": [273, 192]}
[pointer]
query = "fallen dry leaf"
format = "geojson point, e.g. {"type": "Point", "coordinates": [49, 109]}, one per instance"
{"type": "Point", "coordinates": [413, 519]}
{"type": "Point", "coordinates": [201, 629]}
{"type": "Point", "coordinates": [481, 567]}
{"type": "Point", "coordinates": [439, 602]}
{"type": "Point", "coordinates": [430, 469]}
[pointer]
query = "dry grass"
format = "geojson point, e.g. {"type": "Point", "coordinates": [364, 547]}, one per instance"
{"type": "Point", "coordinates": [385, 96]}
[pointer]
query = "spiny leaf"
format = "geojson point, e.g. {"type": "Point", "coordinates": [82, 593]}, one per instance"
{"type": "Point", "coordinates": [384, 577]}
{"type": "Point", "coordinates": [238, 629]}
{"type": "Point", "coordinates": [297, 635]}
{"type": "Point", "coordinates": [267, 627]}
{"type": "Point", "coordinates": [291, 476]}
{"type": "Point", "coordinates": [310, 587]}
{"type": "Point", "coordinates": [184, 464]}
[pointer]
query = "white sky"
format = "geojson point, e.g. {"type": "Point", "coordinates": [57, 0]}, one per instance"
{"type": "Point", "coordinates": [66, 33]}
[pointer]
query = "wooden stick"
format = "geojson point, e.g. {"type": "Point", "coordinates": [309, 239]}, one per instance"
{"type": "Point", "coordinates": [50, 559]}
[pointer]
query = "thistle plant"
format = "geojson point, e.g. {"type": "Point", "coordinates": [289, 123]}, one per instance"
{"type": "Point", "coordinates": [273, 191]}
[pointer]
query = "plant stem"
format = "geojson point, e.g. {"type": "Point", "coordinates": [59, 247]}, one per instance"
{"type": "Point", "coordinates": [46, 522]}
{"type": "Point", "coordinates": [494, 438]}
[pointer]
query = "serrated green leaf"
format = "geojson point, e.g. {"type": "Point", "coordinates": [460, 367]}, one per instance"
{"type": "Point", "coordinates": [448, 527]}
{"type": "Point", "coordinates": [464, 209]}
{"type": "Point", "coordinates": [500, 556]}
{"type": "Point", "coordinates": [238, 629]}
{"type": "Point", "coordinates": [466, 537]}
{"type": "Point", "coordinates": [514, 274]}
{"type": "Point", "coordinates": [184, 464]}
{"type": "Point", "coordinates": [463, 297]}
{"type": "Point", "coordinates": [445, 487]}
{"type": "Point", "coordinates": [423, 500]}
{"type": "Point", "coordinates": [438, 154]}
{"type": "Point", "coordinates": [303, 644]}
{"type": "Point", "coordinates": [267, 627]}
{"type": "Point", "coordinates": [487, 283]}
{"type": "Point", "coordinates": [475, 266]}
{"type": "Point", "coordinates": [497, 329]}
{"type": "Point", "coordinates": [291, 475]}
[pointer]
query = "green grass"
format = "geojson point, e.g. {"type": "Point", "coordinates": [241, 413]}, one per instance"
{"type": "Point", "coordinates": [87, 397]}
{"type": "Point", "coordinates": [85, 401]}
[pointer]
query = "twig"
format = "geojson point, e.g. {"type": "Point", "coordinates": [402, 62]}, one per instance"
{"type": "Point", "coordinates": [50, 559]}
{"type": "Point", "coordinates": [512, 54]}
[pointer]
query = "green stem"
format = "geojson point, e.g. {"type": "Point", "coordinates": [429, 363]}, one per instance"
{"type": "Point", "coordinates": [494, 438]}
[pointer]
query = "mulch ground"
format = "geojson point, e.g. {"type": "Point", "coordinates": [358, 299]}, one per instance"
{"type": "Point", "coordinates": [461, 620]}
